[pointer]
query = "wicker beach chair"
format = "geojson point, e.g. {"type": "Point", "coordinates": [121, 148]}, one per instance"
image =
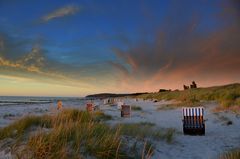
{"type": "Point", "coordinates": [119, 105]}
{"type": "Point", "coordinates": [59, 105]}
{"type": "Point", "coordinates": [89, 107]}
{"type": "Point", "coordinates": [193, 121]}
{"type": "Point", "coordinates": [126, 111]}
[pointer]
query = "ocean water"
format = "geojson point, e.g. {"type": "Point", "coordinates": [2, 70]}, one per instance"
{"type": "Point", "coordinates": [12, 107]}
{"type": "Point", "coordinates": [24, 100]}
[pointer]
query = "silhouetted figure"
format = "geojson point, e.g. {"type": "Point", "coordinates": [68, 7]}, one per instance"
{"type": "Point", "coordinates": [193, 85]}
{"type": "Point", "coordinates": [185, 87]}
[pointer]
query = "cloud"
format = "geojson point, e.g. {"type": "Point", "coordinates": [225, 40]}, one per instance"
{"type": "Point", "coordinates": [61, 12]}
{"type": "Point", "coordinates": [178, 55]}
{"type": "Point", "coordinates": [28, 59]}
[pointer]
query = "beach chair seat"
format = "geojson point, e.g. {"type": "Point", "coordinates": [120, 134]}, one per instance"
{"type": "Point", "coordinates": [193, 121]}
{"type": "Point", "coordinates": [126, 111]}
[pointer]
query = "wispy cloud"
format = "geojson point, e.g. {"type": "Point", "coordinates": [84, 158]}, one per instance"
{"type": "Point", "coordinates": [28, 60]}
{"type": "Point", "coordinates": [61, 12]}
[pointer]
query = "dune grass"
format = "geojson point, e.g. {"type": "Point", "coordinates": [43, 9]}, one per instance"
{"type": "Point", "coordinates": [18, 128]}
{"type": "Point", "coordinates": [101, 116]}
{"type": "Point", "coordinates": [136, 108]}
{"type": "Point", "coordinates": [146, 130]}
{"type": "Point", "coordinates": [227, 96]}
{"type": "Point", "coordinates": [234, 154]}
{"type": "Point", "coordinates": [70, 134]}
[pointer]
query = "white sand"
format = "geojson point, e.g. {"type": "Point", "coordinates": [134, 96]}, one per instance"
{"type": "Point", "coordinates": [218, 139]}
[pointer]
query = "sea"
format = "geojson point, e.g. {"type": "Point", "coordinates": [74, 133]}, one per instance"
{"type": "Point", "coordinates": [14, 107]}
{"type": "Point", "coordinates": [27, 100]}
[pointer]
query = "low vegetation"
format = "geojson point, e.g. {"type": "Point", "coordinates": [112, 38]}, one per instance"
{"type": "Point", "coordinates": [79, 134]}
{"type": "Point", "coordinates": [234, 154]}
{"type": "Point", "coordinates": [101, 116]}
{"type": "Point", "coordinates": [18, 128]}
{"type": "Point", "coordinates": [146, 130]}
{"type": "Point", "coordinates": [227, 96]}
{"type": "Point", "coordinates": [136, 108]}
{"type": "Point", "coordinates": [168, 106]}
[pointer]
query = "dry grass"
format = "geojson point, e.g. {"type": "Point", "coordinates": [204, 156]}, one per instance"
{"type": "Point", "coordinates": [70, 134]}
{"type": "Point", "coordinates": [136, 108]}
{"type": "Point", "coordinates": [18, 128]}
{"type": "Point", "coordinates": [227, 96]}
{"type": "Point", "coordinates": [146, 130]}
{"type": "Point", "coordinates": [234, 154]}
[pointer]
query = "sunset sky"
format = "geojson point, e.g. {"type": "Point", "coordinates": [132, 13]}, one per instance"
{"type": "Point", "coordinates": [75, 48]}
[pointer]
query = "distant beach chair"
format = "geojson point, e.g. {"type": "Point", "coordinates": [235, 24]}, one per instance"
{"type": "Point", "coordinates": [119, 105]}
{"type": "Point", "coordinates": [59, 105]}
{"type": "Point", "coordinates": [89, 107]}
{"type": "Point", "coordinates": [193, 121]}
{"type": "Point", "coordinates": [105, 101]}
{"type": "Point", "coordinates": [126, 111]}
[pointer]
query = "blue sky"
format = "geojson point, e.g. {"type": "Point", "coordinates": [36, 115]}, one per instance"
{"type": "Point", "coordinates": [116, 46]}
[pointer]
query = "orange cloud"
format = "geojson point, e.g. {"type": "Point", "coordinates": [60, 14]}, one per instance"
{"type": "Point", "coordinates": [172, 60]}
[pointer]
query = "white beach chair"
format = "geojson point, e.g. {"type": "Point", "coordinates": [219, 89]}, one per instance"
{"type": "Point", "coordinates": [119, 105]}
{"type": "Point", "coordinates": [193, 121]}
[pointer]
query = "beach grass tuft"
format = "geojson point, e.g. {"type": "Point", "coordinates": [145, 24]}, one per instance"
{"type": "Point", "coordinates": [101, 116]}
{"type": "Point", "coordinates": [74, 134]}
{"type": "Point", "coordinates": [136, 108]}
{"type": "Point", "coordinates": [233, 154]}
{"type": "Point", "coordinates": [18, 128]}
{"type": "Point", "coordinates": [147, 130]}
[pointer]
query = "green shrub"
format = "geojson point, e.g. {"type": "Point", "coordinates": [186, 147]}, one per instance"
{"type": "Point", "coordinates": [136, 108]}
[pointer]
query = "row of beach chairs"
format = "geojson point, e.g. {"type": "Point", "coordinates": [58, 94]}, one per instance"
{"type": "Point", "coordinates": [125, 109]}
{"type": "Point", "coordinates": [193, 117]}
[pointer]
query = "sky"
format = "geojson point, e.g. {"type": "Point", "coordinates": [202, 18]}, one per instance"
{"type": "Point", "coordinates": [80, 47]}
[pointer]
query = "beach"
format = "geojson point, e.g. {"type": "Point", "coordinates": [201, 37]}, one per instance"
{"type": "Point", "coordinates": [221, 135]}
